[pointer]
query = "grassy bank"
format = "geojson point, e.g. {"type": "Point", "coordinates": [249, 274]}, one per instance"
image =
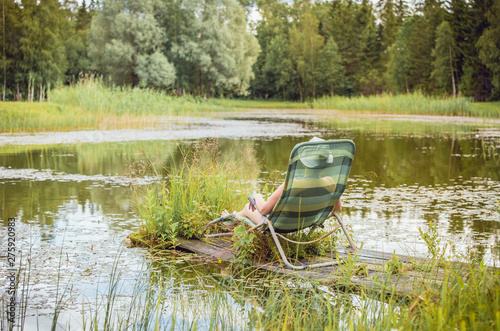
{"type": "Point", "coordinates": [90, 104]}
{"type": "Point", "coordinates": [415, 103]}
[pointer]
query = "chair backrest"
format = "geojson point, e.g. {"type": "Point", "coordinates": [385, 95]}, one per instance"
{"type": "Point", "coordinates": [316, 178]}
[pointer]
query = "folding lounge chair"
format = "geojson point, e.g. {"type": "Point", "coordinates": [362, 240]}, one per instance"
{"type": "Point", "coordinates": [316, 178]}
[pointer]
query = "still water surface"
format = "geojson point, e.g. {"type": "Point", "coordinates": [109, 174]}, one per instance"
{"type": "Point", "coordinates": [70, 194]}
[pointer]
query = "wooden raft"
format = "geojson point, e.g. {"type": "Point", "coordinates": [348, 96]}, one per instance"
{"type": "Point", "coordinates": [368, 273]}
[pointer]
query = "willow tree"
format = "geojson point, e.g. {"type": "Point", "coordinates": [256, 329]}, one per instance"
{"type": "Point", "coordinates": [218, 44]}
{"type": "Point", "coordinates": [125, 44]}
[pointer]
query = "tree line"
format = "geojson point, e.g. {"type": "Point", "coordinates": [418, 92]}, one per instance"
{"type": "Point", "coordinates": [294, 50]}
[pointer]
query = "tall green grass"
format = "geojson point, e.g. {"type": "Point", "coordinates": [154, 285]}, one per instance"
{"type": "Point", "coordinates": [488, 109]}
{"type": "Point", "coordinates": [415, 103]}
{"type": "Point", "coordinates": [28, 117]}
{"type": "Point", "coordinates": [194, 192]}
{"type": "Point", "coordinates": [93, 96]}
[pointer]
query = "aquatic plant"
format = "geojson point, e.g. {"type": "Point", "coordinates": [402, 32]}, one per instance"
{"type": "Point", "coordinates": [194, 192]}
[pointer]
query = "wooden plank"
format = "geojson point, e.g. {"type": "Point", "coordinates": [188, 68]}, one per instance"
{"type": "Point", "coordinates": [374, 279]}
{"type": "Point", "coordinates": [202, 248]}
{"type": "Point", "coordinates": [376, 255]}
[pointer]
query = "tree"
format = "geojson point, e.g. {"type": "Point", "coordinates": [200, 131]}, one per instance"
{"type": "Point", "coordinates": [399, 68]}
{"type": "Point", "coordinates": [11, 15]}
{"type": "Point", "coordinates": [444, 58]}
{"type": "Point", "coordinates": [275, 21]}
{"type": "Point", "coordinates": [278, 67]}
{"type": "Point", "coordinates": [330, 69]}
{"type": "Point", "coordinates": [304, 47]}
{"type": "Point", "coordinates": [219, 45]}
{"type": "Point", "coordinates": [489, 47]}
{"type": "Point", "coordinates": [42, 45]}
{"type": "Point", "coordinates": [124, 37]}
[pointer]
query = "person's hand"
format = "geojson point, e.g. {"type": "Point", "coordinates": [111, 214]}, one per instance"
{"type": "Point", "coordinates": [252, 203]}
{"type": "Point", "coordinates": [251, 207]}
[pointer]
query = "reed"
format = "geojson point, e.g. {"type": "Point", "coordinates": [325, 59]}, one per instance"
{"type": "Point", "coordinates": [194, 192]}
{"type": "Point", "coordinates": [415, 103]}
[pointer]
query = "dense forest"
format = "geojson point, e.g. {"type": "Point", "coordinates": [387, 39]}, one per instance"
{"type": "Point", "coordinates": [262, 49]}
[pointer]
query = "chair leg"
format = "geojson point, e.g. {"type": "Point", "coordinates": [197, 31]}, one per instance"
{"type": "Point", "coordinates": [355, 249]}
{"type": "Point", "coordinates": [283, 256]}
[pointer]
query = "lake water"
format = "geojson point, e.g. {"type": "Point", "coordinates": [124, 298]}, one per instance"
{"type": "Point", "coordinates": [69, 192]}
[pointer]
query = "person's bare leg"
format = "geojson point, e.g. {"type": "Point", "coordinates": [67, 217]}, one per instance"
{"type": "Point", "coordinates": [254, 215]}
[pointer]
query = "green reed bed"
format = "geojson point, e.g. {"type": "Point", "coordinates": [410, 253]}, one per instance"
{"type": "Point", "coordinates": [93, 96]}
{"type": "Point", "coordinates": [29, 117]}
{"type": "Point", "coordinates": [415, 103]}
{"type": "Point", "coordinates": [194, 192]}
{"type": "Point", "coordinates": [488, 109]}
{"type": "Point", "coordinates": [258, 104]}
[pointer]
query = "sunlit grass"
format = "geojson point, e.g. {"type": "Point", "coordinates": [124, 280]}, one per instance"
{"type": "Point", "coordinates": [91, 104]}
{"type": "Point", "coordinates": [489, 109]}
{"type": "Point", "coordinates": [34, 116]}
{"type": "Point", "coordinates": [415, 103]}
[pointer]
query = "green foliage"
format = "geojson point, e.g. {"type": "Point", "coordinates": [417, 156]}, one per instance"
{"type": "Point", "coordinates": [194, 193]}
{"type": "Point", "coordinates": [330, 69]}
{"type": "Point", "coordinates": [244, 244]}
{"type": "Point", "coordinates": [433, 241]}
{"type": "Point", "coordinates": [218, 45]}
{"type": "Point", "coordinates": [489, 47]}
{"type": "Point", "coordinates": [125, 44]}
{"type": "Point", "coordinates": [304, 45]}
{"type": "Point", "coordinates": [443, 64]}
{"type": "Point", "coordinates": [393, 266]}
{"type": "Point", "coordinates": [210, 47]}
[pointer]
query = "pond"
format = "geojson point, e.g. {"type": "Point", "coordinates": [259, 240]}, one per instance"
{"type": "Point", "coordinates": [69, 193]}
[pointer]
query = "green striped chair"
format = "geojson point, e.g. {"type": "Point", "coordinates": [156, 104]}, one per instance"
{"type": "Point", "coordinates": [316, 178]}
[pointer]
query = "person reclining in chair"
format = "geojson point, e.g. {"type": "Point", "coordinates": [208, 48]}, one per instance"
{"type": "Point", "coordinates": [265, 207]}
{"type": "Point", "coordinates": [300, 185]}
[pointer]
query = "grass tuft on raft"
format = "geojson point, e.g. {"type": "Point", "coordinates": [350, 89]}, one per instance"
{"type": "Point", "coordinates": [194, 192]}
